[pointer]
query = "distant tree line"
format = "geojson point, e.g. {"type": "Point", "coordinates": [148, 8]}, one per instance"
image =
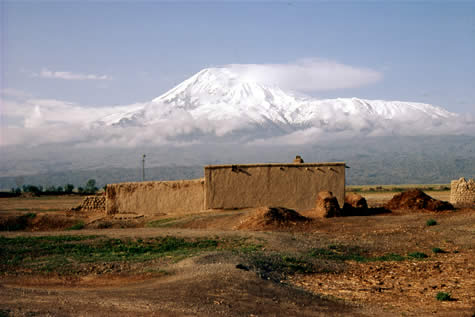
{"type": "Point", "coordinates": [89, 188]}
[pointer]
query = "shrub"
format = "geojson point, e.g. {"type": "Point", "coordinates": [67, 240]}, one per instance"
{"type": "Point", "coordinates": [431, 222]}
{"type": "Point", "coordinates": [390, 257]}
{"type": "Point", "coordinates": [418, 255]}
{"type": "Point", "coordinates": [4, 313]}
{"type": "Point", "coordinates": [277, 267]}
{"type": "Point", "coordinates": [77, 226]}
{"type": "Point", "coordinates": [443, 296]}
{"type": "Point", "coordinates": [91, 187]}
{"type": "Point", "coordinates": [68, 188]}
{"type": "Point", "coordinates": [340, 253]}
{"type": "Point", "coordinates": [36, 190]}
{"type": "Point", "coordinates": [15, 223]}
{"type": "Point", "coordinates": [438, 250]}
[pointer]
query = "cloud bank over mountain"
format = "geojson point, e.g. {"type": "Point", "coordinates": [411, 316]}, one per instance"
{"type": "Point", "coordinates": [307, 75]}
{"type": "Point", "coordinates": [252, 104]}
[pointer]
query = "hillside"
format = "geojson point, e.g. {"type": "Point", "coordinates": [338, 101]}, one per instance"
{"type": "Point", "coordinates": [378, 160]}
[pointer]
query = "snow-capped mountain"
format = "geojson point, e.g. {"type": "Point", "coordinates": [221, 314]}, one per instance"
{"type": "Point", "coordinates": [220, 101]}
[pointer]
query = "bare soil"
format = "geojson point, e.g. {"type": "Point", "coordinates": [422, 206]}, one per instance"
{"type": "Point", "coordinates": [224, 283]}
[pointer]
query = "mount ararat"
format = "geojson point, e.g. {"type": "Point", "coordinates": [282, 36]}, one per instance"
{"type": "Point", "coordinates": [223, 103]}
{"type": "Point", "coordinates": [223, 116]}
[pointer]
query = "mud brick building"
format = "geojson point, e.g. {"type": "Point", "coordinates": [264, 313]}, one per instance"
{"type": "Point", "coordinates": [292, 185]}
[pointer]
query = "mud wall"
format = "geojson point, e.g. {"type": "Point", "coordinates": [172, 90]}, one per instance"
{"type": "Point", "coordinates": [293, 186]}
{"type": "Point", "coordinates": [152, 198]}
{"type": "Point", "coordinates": [462, 193]}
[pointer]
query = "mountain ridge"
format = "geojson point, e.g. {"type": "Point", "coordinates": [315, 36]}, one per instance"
{"type": "Point", "coordinates": [221, 96]}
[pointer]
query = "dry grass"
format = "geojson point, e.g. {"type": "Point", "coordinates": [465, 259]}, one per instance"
{"type": "Point", "coordinates": [39, 204]}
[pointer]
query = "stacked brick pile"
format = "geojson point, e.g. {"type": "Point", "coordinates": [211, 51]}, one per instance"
{"type": "Point", "coordinates": [462, 193]}
{"type": "Point", "coordinates": [92, 203]}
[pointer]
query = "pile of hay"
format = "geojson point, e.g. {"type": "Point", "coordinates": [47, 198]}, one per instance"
{"type": "Point", "coordinates": [271, 217]}
{"type": "Point", "coordinates": [416, 199]}
{"type": "Point", "coordinates": [327, 205]}
{"type": "Point", "coordinates": [355, 205]}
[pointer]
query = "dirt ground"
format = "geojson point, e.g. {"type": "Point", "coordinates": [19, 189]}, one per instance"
{"type": "Point", "coordinates": [224, 283]}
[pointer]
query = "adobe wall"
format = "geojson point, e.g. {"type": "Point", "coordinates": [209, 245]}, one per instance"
{"type": "Point", "coordinates": [151, 198]}
{"type": "Point", "coordinates": [293, 186]}
{"type": "Point", "coordinates": [462, 193]}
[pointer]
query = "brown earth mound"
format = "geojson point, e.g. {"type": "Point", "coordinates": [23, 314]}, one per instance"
{"type": "Point", "coordinates": [417, 199]}
{"type": "Point", "coordinates": [327, 205]}
{"type": "Point", "coordinates": [271, 217]}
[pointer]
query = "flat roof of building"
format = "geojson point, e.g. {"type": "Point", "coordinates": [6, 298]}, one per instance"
{"type": "Point", "coordinates": [276, 165]}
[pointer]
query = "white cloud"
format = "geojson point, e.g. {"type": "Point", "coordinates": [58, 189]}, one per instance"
{"type": "Point", "coordinates": [30, 121]}
{"type": "Point", "coordinates": [46, 73]}
{"type": "Point", "coordinates": [13, 93]}
{"type": "Point", "coordinates": [308, 75]}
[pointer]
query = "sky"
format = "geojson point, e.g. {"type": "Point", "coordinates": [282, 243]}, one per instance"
{"type": "Point", "coordinates": [100, 54]}
{"type": "Point", "coordinates": [108, 53]}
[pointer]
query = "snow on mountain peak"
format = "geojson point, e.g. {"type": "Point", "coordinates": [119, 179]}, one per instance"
{"type": "Point", "coordinates": [229, 101]}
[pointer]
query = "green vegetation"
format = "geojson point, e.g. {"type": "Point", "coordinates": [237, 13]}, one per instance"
{"type": "Point", "coordinates": [30, 215]}
{"type": "Point", "coordinates": [275, 266]}
{"type": "Point", "coordinates": [431, 222]}
{"type": "Point", "coordinates": [438, 250]}
{"type": "Point", "coordinates": [91, 187]}
{"type": "Point", "coordinates": [249, 248]}
{"type": "Point", "coordinates": [417, 255]}
{"type": "Point", "coordinates": [443, 296]}
{"type": "Point", "coordinates": [4, 312]}
{"type": "Point", "coordinates": [77, 226]}
{"type": "Point", "coordinates": [68, 188]}
{"type": "Point", "coordinates": [353, 253]}
{"type": "Point", "coordinates": [37, 190]}
{"type": "Point", "coordinates": [66, 254]}
{"type": "Point", "coordinates": [390, 257]}
{"type": "Point", "coordinates": [15, 223]}
{"type": "Point", "coordinates": [340, 253]}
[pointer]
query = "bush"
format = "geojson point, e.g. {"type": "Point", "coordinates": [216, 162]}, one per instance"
{"type": "Point", "coordinates": [4, 313]}
{"type": "Point", "coordinates": [35, 190]}
{"type": "Point", "coordinates": [68, 188]}
{"type": "Point", "coordinates": [418, 255]}
{"type": "Point", "coordinates": [390, 257]}
{"type": "Point", "coordinates": [15, 223]}
{"type": "Point", "coordinates": [438, 250]}
{"type": "Point", "coordinates": [443, 296]}
{"type": "Point", "coordinates": [78, 226]}
{"type": "Point", "coordinates": [431, 222]}
{"type": "Point", "coordinates": [17, 190]}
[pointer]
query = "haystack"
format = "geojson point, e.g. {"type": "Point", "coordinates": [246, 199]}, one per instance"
{"type": "Point", "coordinates": [327, 205]}
{"type": "Point", "coordinates": [355, 205]}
